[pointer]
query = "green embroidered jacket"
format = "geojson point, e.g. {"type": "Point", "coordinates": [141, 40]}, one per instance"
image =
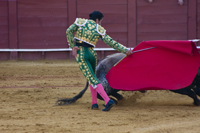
{"type": "Point", "coordinates": [90, 32]}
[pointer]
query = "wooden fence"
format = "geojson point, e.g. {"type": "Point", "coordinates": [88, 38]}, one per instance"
{"type": "Point", "coordinates": [41, 24]}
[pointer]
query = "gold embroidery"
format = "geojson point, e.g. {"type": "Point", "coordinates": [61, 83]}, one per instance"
{"type": "Point", "coordinates": [88, 32]}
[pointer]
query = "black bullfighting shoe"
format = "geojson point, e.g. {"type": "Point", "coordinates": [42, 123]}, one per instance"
{"type": "Point", "coordinates": [95, 106]}
{"type": "Point", "coordinates": [109, 105]}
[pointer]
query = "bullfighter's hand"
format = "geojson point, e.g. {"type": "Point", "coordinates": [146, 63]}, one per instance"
{"type": "Point", "coordinates": [74, 50]}
{"type": "Point", "coordinates": [128, 52]}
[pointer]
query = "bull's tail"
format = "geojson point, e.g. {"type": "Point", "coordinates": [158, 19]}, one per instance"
{"type": "Point", "coordinates": [66, 101]}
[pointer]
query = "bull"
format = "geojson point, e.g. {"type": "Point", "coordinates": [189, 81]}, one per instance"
{"type": "Point", "coordinates": [106, 64]}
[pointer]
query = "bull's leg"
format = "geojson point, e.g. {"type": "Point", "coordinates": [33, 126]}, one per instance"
{"type": "Point", "coordinates": [197, 90]}
{"type": "Point", "coordinates": [190, 93]}
{"type": "Point", "coordinates": [112, 92]}
{"type": "Point", "coordinates": [100, 98]}
{"type": "Point", "coordinates": [118, 96]}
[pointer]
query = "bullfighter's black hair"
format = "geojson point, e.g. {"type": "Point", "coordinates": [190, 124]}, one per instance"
{"type": "Point", "coordinates": [96, 15]}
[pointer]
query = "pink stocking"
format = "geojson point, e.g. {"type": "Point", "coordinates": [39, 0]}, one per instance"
{"type": "Point", "coordinates": [94, 94]}
{"type": "Point", "coordinates": [102, 92]}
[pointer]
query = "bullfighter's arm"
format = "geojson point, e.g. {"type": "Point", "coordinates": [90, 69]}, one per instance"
{"type": "Point", "coordinates": [69, 34]}
{"type": "Point", "coordinates": [112, 43]}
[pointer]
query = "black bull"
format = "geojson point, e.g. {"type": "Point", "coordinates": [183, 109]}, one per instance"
{"type": "Point", "coordinates": [105, 65]}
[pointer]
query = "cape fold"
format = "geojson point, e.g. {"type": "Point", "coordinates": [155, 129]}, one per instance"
{"type": "Point", "coordinates": [170, 65]}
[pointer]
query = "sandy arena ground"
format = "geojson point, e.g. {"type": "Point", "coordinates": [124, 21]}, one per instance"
{"type": "Point", "coordinates": [29, 89]}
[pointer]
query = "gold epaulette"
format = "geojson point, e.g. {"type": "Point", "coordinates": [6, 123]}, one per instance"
{"type": "Point", "coordinates": [80, 21]}
{"type": "Point", "coordinates": [101, 30]}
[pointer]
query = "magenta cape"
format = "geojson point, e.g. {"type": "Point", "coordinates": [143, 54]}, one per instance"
{"type": "Point", "coordinates": [167, 65]}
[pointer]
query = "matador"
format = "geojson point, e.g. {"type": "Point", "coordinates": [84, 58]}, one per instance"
{"type": "Point", "coordinates": [87, 33]}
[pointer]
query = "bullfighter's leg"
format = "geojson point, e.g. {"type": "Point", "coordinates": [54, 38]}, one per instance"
{"type": "Point", "coordinates": [87, 59]}
{"type": "Point", "coordinates": [94, 98]}
{"type": "Point", "coordinates": [100, 98]}
{"type": "Point", "coordinates": [190, 93]}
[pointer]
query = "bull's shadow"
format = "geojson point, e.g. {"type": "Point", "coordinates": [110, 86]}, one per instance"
{"type": "Point", "coordinates": [106, 64]}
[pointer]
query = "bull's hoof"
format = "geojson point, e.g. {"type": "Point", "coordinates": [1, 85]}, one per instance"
{"type": "Point", "coordinates": [197, 102]}
{"type": "Point", "coordinates": [120, 98]}
{"type": "Point", "coordinates": [144, 91]}
{"type": "Point", "coordinates": [114, 100]}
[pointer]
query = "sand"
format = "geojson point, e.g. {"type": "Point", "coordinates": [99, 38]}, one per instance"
{"type": "Point", "coordinates": [29, 89]}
